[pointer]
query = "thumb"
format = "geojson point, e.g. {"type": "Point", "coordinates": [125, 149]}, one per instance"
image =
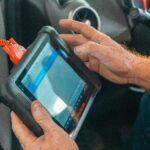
{"type": "Point", "coordinates": [42, 117]}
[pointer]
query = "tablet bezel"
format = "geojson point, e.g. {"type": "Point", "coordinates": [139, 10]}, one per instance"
{"type": "Point", "coordinates": [88, 76]}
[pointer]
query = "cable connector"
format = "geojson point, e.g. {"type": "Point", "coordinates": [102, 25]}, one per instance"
{"type": "Point", "coordinates": [13, 50]}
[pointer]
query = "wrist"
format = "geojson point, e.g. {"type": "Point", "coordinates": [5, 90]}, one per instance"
{"type": "Point", "coordinates": [133, 74]}
{"type": "Point", "coordinates": [140, 72]}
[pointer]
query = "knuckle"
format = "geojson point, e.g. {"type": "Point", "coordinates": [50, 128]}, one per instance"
{"type": "Point", "coordinates": [95, 36]}
{"type": "Point", "coordinates": [43, 120]}
{"type": "Point", "coordinates": [76, 39]}
{"type": "Point", "coordinates": [103, 38]}
{"type": "Point", "coordinates": [90, 44]}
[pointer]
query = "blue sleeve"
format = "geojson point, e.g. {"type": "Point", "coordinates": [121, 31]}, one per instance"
{"type": "Point", "coordinates": [139, 138]}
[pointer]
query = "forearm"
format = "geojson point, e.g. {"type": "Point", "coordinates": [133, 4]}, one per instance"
{"type": "Point", "coordinates": [141, 72]}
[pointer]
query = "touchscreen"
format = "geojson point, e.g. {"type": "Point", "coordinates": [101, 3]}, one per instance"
{"type": "Point", "coordinates": [53, 82]}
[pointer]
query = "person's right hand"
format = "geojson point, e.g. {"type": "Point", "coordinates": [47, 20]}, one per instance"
{"type": "Point", "coordinates": [54, 137]}
{"type": "Point", "coordinates": [99, 52]}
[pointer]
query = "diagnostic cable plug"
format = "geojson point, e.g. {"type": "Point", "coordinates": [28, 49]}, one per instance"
{"type": "Point", "coordinates": [13, 50]}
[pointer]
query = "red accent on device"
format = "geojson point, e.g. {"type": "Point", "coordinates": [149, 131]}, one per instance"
{"type": "Point", "coordinates": [145, 5]}
{"type": "Point", "coordinates": [81, 110]}
{"type": "Point", "coordinates": [13, 50]}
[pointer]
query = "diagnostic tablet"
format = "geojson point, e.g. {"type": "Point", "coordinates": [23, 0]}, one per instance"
{"type": "Point", "coordinates": [52, 74]}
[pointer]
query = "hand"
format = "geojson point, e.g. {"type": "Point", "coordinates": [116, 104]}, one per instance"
{"type": "Point", "coordinates": [54, 138]}
{"type": "Point", "coordinates": [99, 52]}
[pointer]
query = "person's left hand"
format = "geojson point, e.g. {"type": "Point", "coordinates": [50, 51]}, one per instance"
{"type": "Point", "coordinates": [54, 137]}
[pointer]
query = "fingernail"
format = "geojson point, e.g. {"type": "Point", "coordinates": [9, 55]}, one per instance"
{"type": "Point", "coordinates": [36, 106]}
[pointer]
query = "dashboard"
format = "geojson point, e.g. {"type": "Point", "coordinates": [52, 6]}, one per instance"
{"type": "Point", "coordinates": [124, 20]}
{"type": "Point", "coordinates": [113, 20]}
{"type": "Point", "coordinates": [114, 16]}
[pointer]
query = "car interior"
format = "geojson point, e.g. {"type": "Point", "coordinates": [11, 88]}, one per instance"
{"type": "Point", "coordinates": [116, 106]}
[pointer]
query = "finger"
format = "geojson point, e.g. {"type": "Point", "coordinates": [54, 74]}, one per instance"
{"type": "Point", "coordinates": [93, 64]}
{"type": "Point", "coordinates": [74, 40]}
{"type": "Point", "coordinates": [92, 49]}
{"type": "Point", "coordinates": [42, 117]}
{"type": "Point", "coordinates": [83, 56]}
{"type": "Point", "coordinates": [82, 28]}
{"type": "Point", "coordinates": [24, 135]}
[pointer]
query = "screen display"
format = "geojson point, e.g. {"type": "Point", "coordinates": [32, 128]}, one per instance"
{"type": "Point", "coordinates": [53, 82]}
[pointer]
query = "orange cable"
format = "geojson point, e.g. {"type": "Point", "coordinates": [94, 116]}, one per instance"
{"type": "Point", "coordinates": [13, 50]}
